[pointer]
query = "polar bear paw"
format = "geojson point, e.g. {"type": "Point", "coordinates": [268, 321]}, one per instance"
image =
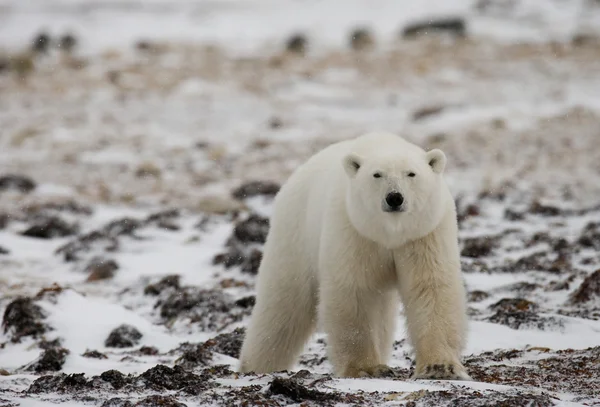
{"type": "Point", "coordinates": [442, 371]}
{"type": "Point", "coordinates": [378, 371]}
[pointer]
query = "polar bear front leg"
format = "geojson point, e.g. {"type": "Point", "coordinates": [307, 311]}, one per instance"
{"type": "Point", "coordinates": [434, 303]}
{"type": "Point", "coordinates": [351, 318]}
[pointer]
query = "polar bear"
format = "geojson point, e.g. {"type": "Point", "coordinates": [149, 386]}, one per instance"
{"type": "Point", "coordinates": [361, 223]}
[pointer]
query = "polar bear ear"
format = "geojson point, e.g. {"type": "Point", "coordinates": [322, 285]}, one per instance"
{"type": "Point", "coordinates": [352, 163]}
{"type": "Point", "coordinates": [436, 160]}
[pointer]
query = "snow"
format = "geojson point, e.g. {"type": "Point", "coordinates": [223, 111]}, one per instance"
{"type": "Point", "coordinates": [518, 103]}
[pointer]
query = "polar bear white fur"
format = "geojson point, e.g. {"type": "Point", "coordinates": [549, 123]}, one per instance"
{"type": "Point", "coordinates": [361, 223]}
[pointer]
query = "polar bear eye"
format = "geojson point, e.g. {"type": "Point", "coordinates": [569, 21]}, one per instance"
{"type": "Point", "coordinates": [412, 174]}
{"type": "Point", "coordinates": [377, 175]}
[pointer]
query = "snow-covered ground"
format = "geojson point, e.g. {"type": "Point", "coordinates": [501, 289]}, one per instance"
{"type": "Point", "coordinates": [135, 151]}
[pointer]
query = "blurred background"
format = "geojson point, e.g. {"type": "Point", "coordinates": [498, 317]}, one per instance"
{"type": "Point", "coordinates": [156, 101]}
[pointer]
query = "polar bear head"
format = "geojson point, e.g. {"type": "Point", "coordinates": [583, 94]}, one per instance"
{"type": "Point", "coordinates": [395, 190]}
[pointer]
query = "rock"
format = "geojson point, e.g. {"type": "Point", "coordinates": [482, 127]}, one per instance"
{"type": "Point", "coordinates": [148, 170]}
{"type": "Point", "coordinates": [590, 236]}
{"type": "Point", "coordinates": [161, 378]}
{"type": "Point", "coordinates": [252, 262]}
{"type": "Point", "coordinates": [41, 42]}
{"type": "Point", "coordinates": [256, 188]}
{"type": "Point", "coordinates": [246, 302]}
{"type": "Point", "coordinates": [148, 351]}
{"type": "Point", "coordinates": [233, 257]}
{"type": "Point", "coordinates": [297, 392]}
{"type": "Point", "coordinates": [159, 401]}
{"type": "Point", "coordinates": [514, 304]}
{"type": "Point", "coordinates": [164, 219]}
{"type": "Point", "coordinates": [61, 383]}
{"type": "Point", "coordinates": [229, 344]}
{"type": "Point", "coordinates": [124, 336]}
{"type": "Point", "coordinates": [208, 309]}
{"type": "Point", "coordinates": [544, 210]}
{"type": "Point", "coordinates": [94, 354]}
{"type": "Point", "coordinates": [52, 360]}
{"type": "Point", "coordinates": [454, 26]}
{"type": "Point", "coordinates": [117, 379]}
{"type": "Point", "coordinates": [16, 182]}
{"type": "Point", "coordinates": [252, 230]}
{"type": "Point", "coordinates": [50, 228]}
{"type": "Point", "coordinates": [23, 65]}
{"type": "Point", "coordinates": [194, 355]}
{"type": "Point", "coordinates": [4, 251]}
{"type": "Point", "coordinates": [275, 123]}
{"type": "Point", "coordinates": [4, 64]}
{"type": "Point", "coordinates": [477, 296]}
{"type": "Point", "coordinates": [478, 246]}
{"type": "Point", "coordinates": [518, 313]}
{"type": "Point", "coordinates": [297, 44]}
{"type": "Point", "coordinates": [67, 42]}
{"type": "Point", "coordinates": [4, 219]}
{"type": "Point", "coordinates": [23, 317]}
{"type": "Point", "coordinates": [117, 402]}
{"type": "Point", "coordinates": [426, 112]}
{"type": "Point", "coordinates": [167, 282]}
{"type": "Point", "coordinates": [588, 290]}
{"type": "Point", "coordinates": [361, 39]}
{"type": "Point", "coordinates": [101, 269]}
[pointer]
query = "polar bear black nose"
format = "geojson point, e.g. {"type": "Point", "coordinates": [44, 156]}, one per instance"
{"type": "Point", "coordinates": [394, 199]}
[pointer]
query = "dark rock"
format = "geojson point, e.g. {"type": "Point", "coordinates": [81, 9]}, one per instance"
{"type": "Point", "coordinates": [60, 383]}
{"type": "Point", "coordinates": [256, 188]}
{"type": "Point", "coordinates": [478, 296]}
{"type": "Point", "coordinates": [229, 344]}
{"type": "Point", "coordinates": [117, 379]}
{"type": "Point", "coordinates": [117, 402]}
{"type": "Point", "coordinates": [210, 309]}
{"type": "Point", "coordinates": [297, 44]}
{"type": "Point", "coordinates": [588, 290]}
{"type": "Point", "coordinates": [590, 236]}
{"type": "Point", "coordinates": [252, 230]}
{"type": "Point", "coordinates": [455, 26]}
{"type": "Point", "coordinates": [4, 219]}
{"type": "Point", "coordinates": [106, 237]}
{"type": "Point", "coordinates": [159, 401]}
{"type": "Point", "coordinates": [512, 215]}
{"type": "Point", "coordinates": [48, 208]}
{"type": "Point", "coordinates": [361, 39]}
{"type": "Point", "coordinates": [518, 313]}
{"type": "Point", "coordinates": [246, 302]}
{"type": "Point", "coordinates": [426, 112]}
{"type": "Point", "coordinates": [41, 42]}
{"type": "Point", "coordinates": [161, 377]}
{"type": "Point", "coordinates": [164, 219]}
{"type": "Point", "coordinates": [233, 257]}
{"type": "Point", "coordinates": [148, 351]}
{"type": "Point", "coordinates": [100, 268]}
{"type": "Point", "coordinates": [20, 183]}
{"type": "Point", "coordinates": [538, 208]}
{"type": "Point", "coordinates": [52, 360]}
{"type": "Point", "coordinates": [194, 355]}
{"type": "Point", "coordinates": [124, 336]}
{"type": "Point", "coordinates": [478, 246]}
{"type": "Point", "coordinates": [94, 354]}
{"type": "Point", "coordinates": [67, 42]}
{"type": "Point", "coordinates": [122, 227]}
{"type": "Point", "coordinates": [298, 392]}
{"type": "Point", "coordinates": [251, 264]}
{"type": "Point", "coordinates": [50, 228]}
{"type": "Point", "coordinates": [275, 123]}
{"type": "Point", "coordinates": [4, 64]}
{"type": "Point", "coordinates": [46, 344]}
{"type": "Point", "coordinates": [514, 304]}
{"type": "Point", "coordinates": [23, 318]}
{"type": "Point", "coordinates": [171, 281]}
{"type": "Point", "coordinates": [4, 251]}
